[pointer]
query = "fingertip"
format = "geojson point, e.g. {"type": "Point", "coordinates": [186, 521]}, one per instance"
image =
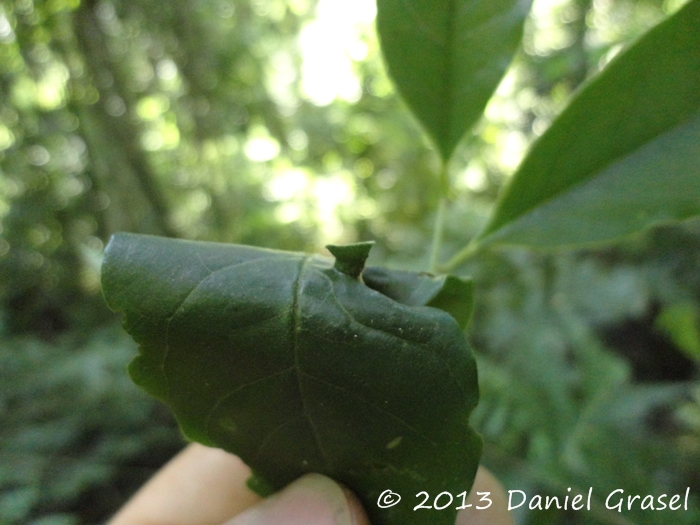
{"type": "Point", "coordinates": [357, 512]}
{"type": "Point", "coordinates": [313, 499]}
{"type": "Point", "coordinates": [489, 502]}
{"type": "Point", "coordinates": [199, 486]}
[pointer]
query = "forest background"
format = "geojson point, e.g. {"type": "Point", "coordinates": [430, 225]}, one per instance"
{"type": "Point", "coordinates": [273, 123]}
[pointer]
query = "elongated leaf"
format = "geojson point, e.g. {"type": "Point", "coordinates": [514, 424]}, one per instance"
{"type": "Point", "coordinates": [448, 56]}
{"type": "Point", "coordinates": [623, 156]}
{"type": "Point", "coordinates": [297, 366]}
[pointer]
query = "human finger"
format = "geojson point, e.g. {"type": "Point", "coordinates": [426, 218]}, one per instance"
{"type": "Point", "coordinates": [488, 502]}
{"type": "Point", "coordinates": [199, 486]}
{"type": "Point", "coordinates": [313, 499]}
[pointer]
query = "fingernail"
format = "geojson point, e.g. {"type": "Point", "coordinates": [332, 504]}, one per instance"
{"type": "Point", "coordinates": [357, 513]}
{"type": "Point", "coordinates": [311, 500]}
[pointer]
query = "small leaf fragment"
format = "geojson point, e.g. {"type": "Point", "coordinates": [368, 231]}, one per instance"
{"type": "Point", "coordinates": [350, 258]}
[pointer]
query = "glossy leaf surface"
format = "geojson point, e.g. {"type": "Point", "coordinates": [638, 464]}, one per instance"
{"type": "Point", "coordinates": [448, 56]}
{"type": "Point", "coordinates": [298, 367]}
{"type": "Point", "coordinates": [623, 156]}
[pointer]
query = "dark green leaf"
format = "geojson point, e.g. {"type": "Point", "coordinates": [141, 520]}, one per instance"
{"type": "Point", "coordinates": [298, 367]}
{"type": "Point", "coordinates": [452, 294]}
{"type": "Point", "coordinates": [448, 56]}
{"type": "Point", "coordinates": [623, 156]}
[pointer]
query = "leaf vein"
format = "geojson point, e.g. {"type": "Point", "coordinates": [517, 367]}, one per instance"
{"type": "Point", "coordinates": [378, 408]}
{"type": "Point", "coordinates": [224, 397]}
{"type": "Point", "coordinates": [295, 327]}
{"type": "Point", "coordinates": [436, 37]}
{"type": "Point", "coordinates": [389, 334]}
{"type": "Point", "coordinates": [275, 431]}
{"type": "Point", "coordinates": [180, 306]}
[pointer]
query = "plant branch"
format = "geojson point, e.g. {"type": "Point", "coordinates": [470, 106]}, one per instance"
{"type": "Point", "coordinates": [464, 254]}
{"type": "Point", "coordinates": [439, 227]}
{"type": "Point", "coordinates": [438, 233]}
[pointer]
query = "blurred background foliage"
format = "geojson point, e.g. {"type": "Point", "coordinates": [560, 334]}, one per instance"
{"type": "Point", "coordinates": [273, 123]}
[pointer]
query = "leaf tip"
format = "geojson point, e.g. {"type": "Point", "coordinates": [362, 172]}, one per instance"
{"type": "Point", "coordinates": [350, 258]}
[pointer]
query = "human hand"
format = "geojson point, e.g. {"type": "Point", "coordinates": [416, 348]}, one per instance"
{"type": "Point", "coordinates": [206, 486]}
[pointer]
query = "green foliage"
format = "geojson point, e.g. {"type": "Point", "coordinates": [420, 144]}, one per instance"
{"type": "Point", "coordinates": [76, 434]}
{"type": "Point", "coordinates": [447, 58]}
{"type": "Point", "coordinates": [590, 191]}
{"type": "Point", "coordinates": [624, 154]}
{"type": "Point", "coordinates": [199, 118]}
{"type": "Point", "coordinates": [298, 366]}
{"type": "Point", "coordinates": [568, 409]}
{"type": "Point", "coordinates": [682, 322]}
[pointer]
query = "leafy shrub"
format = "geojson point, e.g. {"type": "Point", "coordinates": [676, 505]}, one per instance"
{"type": "Point", "coordinates": [77, 437]}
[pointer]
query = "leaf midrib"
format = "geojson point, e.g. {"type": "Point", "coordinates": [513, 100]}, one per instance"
{"type": "Point", "coordinates": [295, 327]}
{"type": "Point", "coordinates": [492, 234]}
{"type": "Point", "coordinates": [448, 76]}
{"type": "Point", "coordinates": [573, 113]}
{"type": "Point", "coordinates": [387, 333]}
